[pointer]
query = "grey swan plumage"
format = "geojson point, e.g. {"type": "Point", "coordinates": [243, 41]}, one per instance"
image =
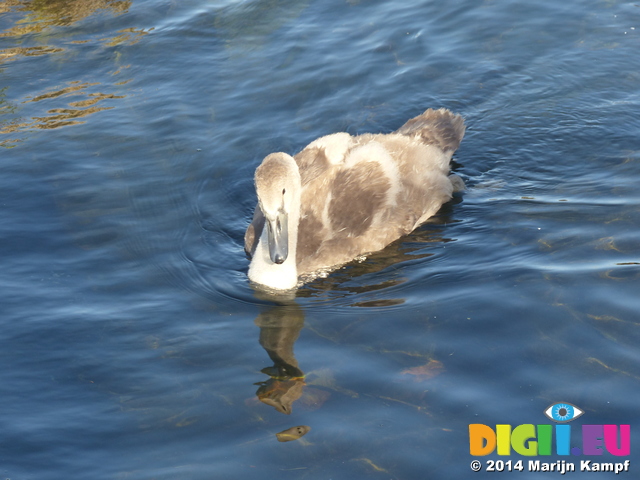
{"type": "Point", "coordinates": [344, 196]}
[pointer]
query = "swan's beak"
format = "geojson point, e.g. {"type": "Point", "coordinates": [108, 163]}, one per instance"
{"type": "Point", "coordinates": [278, 232]}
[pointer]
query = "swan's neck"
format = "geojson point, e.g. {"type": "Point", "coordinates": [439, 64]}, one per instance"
{"type": "Point", "coordinates": [284, 276]}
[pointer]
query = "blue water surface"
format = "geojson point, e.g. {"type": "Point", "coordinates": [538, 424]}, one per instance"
{"type": "Point", "coordinates": [132, 344]}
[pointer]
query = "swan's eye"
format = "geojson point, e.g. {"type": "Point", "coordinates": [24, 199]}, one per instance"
{"type": "Point", "coordinates": [283, 191]}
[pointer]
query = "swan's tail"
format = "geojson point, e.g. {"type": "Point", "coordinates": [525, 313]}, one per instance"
{"type": "Point", "coordinates": [440, 128]}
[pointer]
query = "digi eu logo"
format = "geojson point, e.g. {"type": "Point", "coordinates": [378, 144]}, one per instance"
{"type": "Point", "coordinates": [530, 440]}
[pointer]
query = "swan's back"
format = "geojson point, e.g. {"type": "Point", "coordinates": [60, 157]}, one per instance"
{"type": "Point", "coordinates": [361, 193]}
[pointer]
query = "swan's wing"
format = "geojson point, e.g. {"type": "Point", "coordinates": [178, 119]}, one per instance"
{"type": "Point", "coordinates": [439, 128]}
{"type": "Point", "coordinates": [322, 154]}
{"type": "Point", "coordinates": [357, 196]}
{"type": "Point", "coordinates": [312, 163]}
{"type": "Point", "coordinates": [254, 231]}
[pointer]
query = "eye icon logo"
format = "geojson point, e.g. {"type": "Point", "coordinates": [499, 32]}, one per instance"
{"type": "Point", "coordinates": [563, 412]}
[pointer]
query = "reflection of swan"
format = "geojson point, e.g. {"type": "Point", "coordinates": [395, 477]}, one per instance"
{"type": "Point", "coordinates": [343, 196]}
{"type": "Point", "coordinates": [279, 329]}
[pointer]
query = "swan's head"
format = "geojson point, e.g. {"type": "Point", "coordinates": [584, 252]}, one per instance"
{"type": "Point", "coordinates": [278, 187]}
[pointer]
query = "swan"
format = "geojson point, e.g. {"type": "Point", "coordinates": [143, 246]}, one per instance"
{"type": "Point", "coordinates": [343, 196]}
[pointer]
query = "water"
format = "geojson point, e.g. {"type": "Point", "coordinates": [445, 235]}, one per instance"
{"type": "Point", "coordinates": [133, 345]}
